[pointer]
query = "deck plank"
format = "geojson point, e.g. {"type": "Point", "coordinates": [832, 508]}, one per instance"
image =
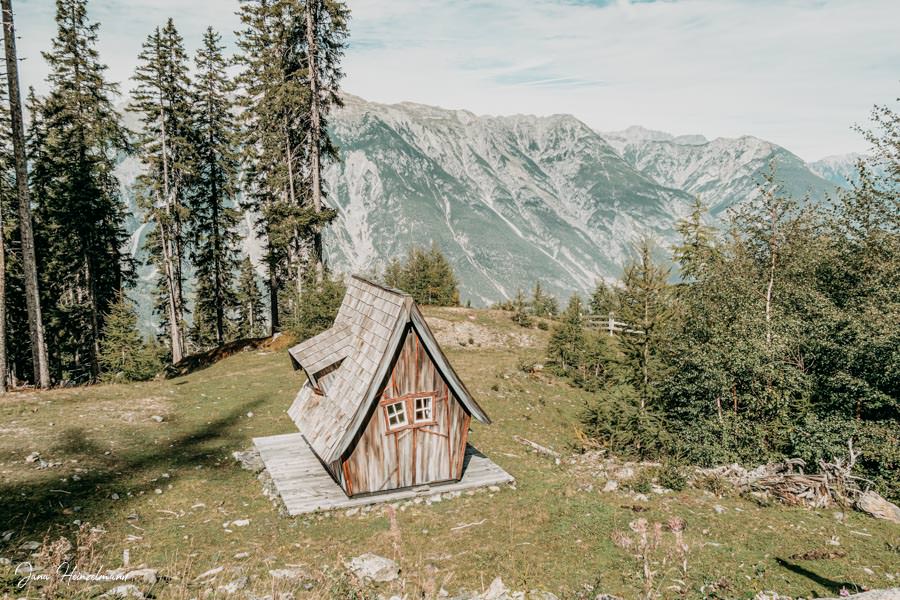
{"type": "Point", "coordinates": [305, 486]}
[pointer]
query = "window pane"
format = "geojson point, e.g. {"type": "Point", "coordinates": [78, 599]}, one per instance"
{"type": "Point", "coordinates": [423, 409]}
{"type": "Point", "coordinates": [396, 414]}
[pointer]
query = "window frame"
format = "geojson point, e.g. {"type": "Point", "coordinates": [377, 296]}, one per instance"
{"type": "Point", "coordinates": [403, 411]}
{"type": "Point", "coordinates": [429, 407]}
{"type": "Point", "coordinates": [409, 407]}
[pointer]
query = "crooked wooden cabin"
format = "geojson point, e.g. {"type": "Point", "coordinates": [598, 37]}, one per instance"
{"type": "Point", "coordinates": [382, 408]}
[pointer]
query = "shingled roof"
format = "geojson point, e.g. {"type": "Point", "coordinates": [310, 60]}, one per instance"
{"type": "Point", "coordinates": [347, 364]}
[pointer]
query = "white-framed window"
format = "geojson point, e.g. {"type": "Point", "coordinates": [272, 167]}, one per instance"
{"type": "Point", "coordinates": [396, 414]}
{"type": "Point", "coordinates": [423, 410]}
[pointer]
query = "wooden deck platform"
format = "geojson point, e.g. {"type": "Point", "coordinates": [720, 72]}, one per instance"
{"type": "Point", "coordinates": [305, 486]}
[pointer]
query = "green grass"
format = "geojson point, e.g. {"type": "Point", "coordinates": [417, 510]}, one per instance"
{"type": "Point", "coordinates": [548, 533]}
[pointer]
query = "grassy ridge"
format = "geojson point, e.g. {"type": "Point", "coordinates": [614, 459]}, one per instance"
{"type": "Point", "coordinates": [177, 484]}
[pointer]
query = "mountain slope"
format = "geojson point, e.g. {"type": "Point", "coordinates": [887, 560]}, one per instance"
{"type": "Point", "coordinates": [722, 172]}
{"type": "Point", "coordinates": [514, 200]}
{"type": "Point", "coordinates": [509, 199]}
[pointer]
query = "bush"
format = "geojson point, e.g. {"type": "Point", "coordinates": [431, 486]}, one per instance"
{"type": "Point", "coordinates": [671, 476]}
{"type": "Point", "coordinates": [643, 483]}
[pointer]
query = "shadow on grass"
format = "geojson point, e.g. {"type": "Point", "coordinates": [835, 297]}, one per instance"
{"type": "Point", "coordinates": [33, 510]}
{"type": "Point", "coordinates": [829, 584]}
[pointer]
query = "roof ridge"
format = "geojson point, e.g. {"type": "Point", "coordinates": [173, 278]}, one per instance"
{"type": "Point", "coordinates": [380, 286]}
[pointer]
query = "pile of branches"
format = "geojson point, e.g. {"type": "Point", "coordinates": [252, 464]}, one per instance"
{"type": "Point", "coordinates": [833, 485]}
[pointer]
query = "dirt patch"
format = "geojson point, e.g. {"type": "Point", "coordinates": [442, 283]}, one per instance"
{"type": "Point", "coordinates": [134, 411]}
{"type": "Point", "coordinates": [473, 336]}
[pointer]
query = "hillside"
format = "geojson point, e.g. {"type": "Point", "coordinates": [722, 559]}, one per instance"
{"type": "Point", "coordinates": [151, 466]}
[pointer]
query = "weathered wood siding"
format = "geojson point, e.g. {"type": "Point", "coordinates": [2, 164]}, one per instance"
{"type": "Point", "coordinates": [383, 459]}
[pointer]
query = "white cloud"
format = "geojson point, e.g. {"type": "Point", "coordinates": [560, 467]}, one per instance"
{"type": "Point", "coordinates": [799, 72]}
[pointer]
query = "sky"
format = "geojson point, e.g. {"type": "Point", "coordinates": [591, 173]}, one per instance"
{"type": "Point", "coordinates": [799, 73]}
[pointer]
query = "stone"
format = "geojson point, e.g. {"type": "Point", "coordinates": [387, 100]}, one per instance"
{"type": "Point", "coordinates": [289, 573]}
{"type": "Point", "coordinates": [242, 555]}
{"type": "Point", "coordinates": [129, 590]}
{"type": "Point", "coordinates": [158, 418]}
{"type": "Point", "coordinates": [719, 509]}
{"type": "Point", "coordinates": [873, 504]}
{"type": "Point", "coordinates": [240, 523]}
{"type": "Point", "coordinates": [4, 562]}
{"type": "Point", "coordinates": [624, 473]}
{"type": "Point", "coordinates": [496, 591]}
{"type": "Point", "coordinates": [148, 576]}
{"type": "Point", "coordinates": [640, 498]}
{"type": "Point", "coordinates": [887, 594]}
{"type": "Point", "coordinates": [234, 586]}
{"type": "Point", "coordinates": [30, 545]}
{"type": "Point", "coordinates": [611, 486]}
{"type": "Point", "coordinates": [114, 496]}
{"type": "Point", "coordinates": [493, 488]}
{"type": "Point", "coordinates": [371, 567]}
{"type": "Point", "coordinates": [250, 460]}
{"type": "Point", "coordinates": [352, 512]}
{"type": "Point", "coordinates": [32, 458]}
{"type": "Point", "coordinates": [209, 574]}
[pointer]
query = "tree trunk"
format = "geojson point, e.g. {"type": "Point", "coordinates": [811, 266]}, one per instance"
{"type": "Point", "coordinates": [274, 321]}
{"type": "Point", "coordinates": [29, 263]}
{"type": "Point", "coordinates": [3, 384]}
{"type": "Point", "coordinates": [170, 246]}
{"type": "Point", "coordinates": [315, 133]}
{"type": "Point", "coordinates": [218, 267]}
{"type": "Point", "coordinates": [95, 320]}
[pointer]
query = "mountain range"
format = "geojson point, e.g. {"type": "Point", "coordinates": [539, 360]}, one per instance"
{"type": "Point", "coordinates": [512, 200]}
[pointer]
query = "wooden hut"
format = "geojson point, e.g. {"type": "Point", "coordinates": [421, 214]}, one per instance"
{"type": "Point", "coordinates": [382, 408]}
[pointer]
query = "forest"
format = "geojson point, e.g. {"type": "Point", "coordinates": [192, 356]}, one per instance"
{"type": "Point", "coordinates": [219, 136]}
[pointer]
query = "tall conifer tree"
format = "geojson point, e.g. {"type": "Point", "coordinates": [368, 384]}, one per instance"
{"type": "Point", "coordinates": [214, 189]}
{"type": "Point", "coordinates": [78, 208]}
{"type": "Point", "coordinates": [326, 34]}
{"type": "Point", "coordinates": [32, 293]}
{"type": "Point", "coordinates": [6, 178]}
{"type": "Point", "coordinates": [291, 53]}
{"type": "Point", "coordinates": [162, 97]}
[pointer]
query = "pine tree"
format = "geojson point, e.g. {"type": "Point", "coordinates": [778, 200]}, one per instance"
{"type": "Point", "coordinates": [520, 310]}
{"type": "Point", "coordinates": [124, 354]}
{"type": "Point", "coordinates": [4, 193]}
{"type": "Point", "coordinates": [291, 53]}
{"type": "Point", "coordinates": [604, 299]}
{"type": "Point", "coordinates": [696, 249]}
{"type": "Point", "coordinates": [426, 275]}
{"type": "Point", "coordinates": [250, 322]}
{"type": "Point", "coordinates": [646, 307]}
{"type": "Point", "coordinates": [213, 193]}
{"type": "Point", "coordinates": [271, 81]}
{"type": "Point", "coordinates": [565, 350]}
{"type": "Point", "coordinates": [326, 34]}
{"type": "Point", "coordinates": [542, 304]}
{"type": "Point", "coordinates": [7, 197]}
{"type": "Point", "coordinates": [318, 306]}
{"type": "Point", "coordinates": [162, 98]}
{"type": "Point", "coordinates": [29, 260]}
{"type": "Point", "coordinates": [394, 274]}
{"type": "Point", "coordinates": [76, 137]}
